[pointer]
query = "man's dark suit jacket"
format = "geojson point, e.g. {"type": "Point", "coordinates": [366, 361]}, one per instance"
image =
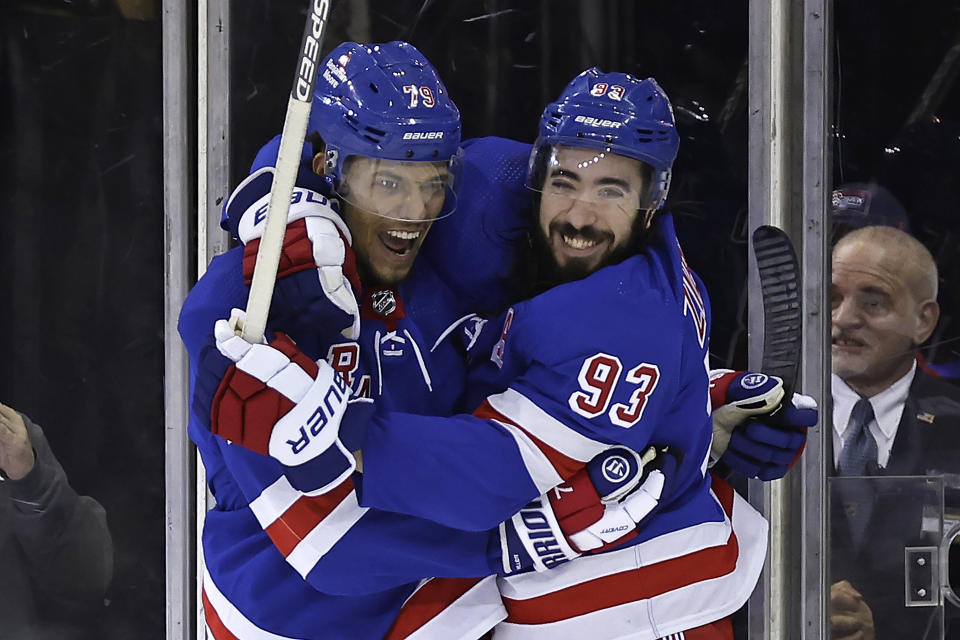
{"type": "Point", "coordinates": [927, 443]}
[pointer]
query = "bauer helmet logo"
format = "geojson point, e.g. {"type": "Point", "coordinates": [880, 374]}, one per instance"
{"type": "Point", "coordinates": [598, 122]}
{"type": "Point", "coordinates": [423, 135]}
{"type": "Point", "coordinates": [384, 302]}
{"type": "Point", "coordinates": [754, 380]}
{"type": "Point", "coordinates": [615, 469]}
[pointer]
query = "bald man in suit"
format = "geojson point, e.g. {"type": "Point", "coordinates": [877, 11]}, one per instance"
{"type": "Point", "coordinates": [889, 419]}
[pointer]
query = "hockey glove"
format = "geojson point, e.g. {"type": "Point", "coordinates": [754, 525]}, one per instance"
{"type": "Point", "coordinates": [317, 281]}
{"type": "Point", "coordinates": [755, 432]}
{"type": "Point", "coordinates": [605, 503]}
{"type": "Point", "coordinates": [600, 507]}
{"type": "Point", "coordinates": [276, 401]}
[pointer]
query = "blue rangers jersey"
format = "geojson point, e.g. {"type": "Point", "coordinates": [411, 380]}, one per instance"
{"type": "Point", "coordinates": [277, 562]}
{"type": "Point", "coordinates": [619, 357]}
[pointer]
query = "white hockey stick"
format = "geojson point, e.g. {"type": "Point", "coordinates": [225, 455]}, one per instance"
{"type": "Point", "coordinates": [288, 162]}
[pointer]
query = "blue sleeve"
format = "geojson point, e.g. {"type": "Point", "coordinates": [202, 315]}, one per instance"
{"type": "Point", "coordinates": [388, 549]}
{"type": "Point", "coordinates": [579, 378]}
{"type": "Point", "coordinates": [464, 472]}
{"type": "Point", "coordinates": [343, 548]}
{"type": "Point", "coordinates": [472, 472]}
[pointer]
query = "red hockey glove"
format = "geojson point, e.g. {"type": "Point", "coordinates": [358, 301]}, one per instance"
{"type": "Point", "coordinates": [754, 432]}
{"type": "Point", "coordinates": [600, 507]}
{"type": "Point", "coordinates": [276, 401]}
{"type": "Point", "coordinates": [317, 265]}
{"type": "Point", "coordinates": [604, 504]}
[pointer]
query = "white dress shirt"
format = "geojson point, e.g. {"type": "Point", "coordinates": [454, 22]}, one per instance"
{"type": "Point", "coordinates": [887, 410]}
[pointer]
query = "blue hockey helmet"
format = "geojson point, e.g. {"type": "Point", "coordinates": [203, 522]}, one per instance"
{"type": "Point", "coordinates": [611, 113]}
{"type": "Point", "coordinates": [385, 102]}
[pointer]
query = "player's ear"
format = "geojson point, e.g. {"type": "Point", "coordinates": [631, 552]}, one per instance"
{"type": "Point", "coordinates": [319, 153]}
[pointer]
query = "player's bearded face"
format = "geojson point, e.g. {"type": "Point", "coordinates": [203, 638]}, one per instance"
{"type": "Point", "coordinates": [389, 207]}
{"type": "Point", "coordinates": [589, 210]}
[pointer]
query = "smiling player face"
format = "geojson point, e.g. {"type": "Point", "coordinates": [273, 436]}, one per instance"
{"type": "Point", "coordinates": [589, 205]}
{"type": "Point", "coordinates": [389, 207]}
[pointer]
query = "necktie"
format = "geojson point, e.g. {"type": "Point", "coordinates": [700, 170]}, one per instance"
{"type": "Point", "coordinates": [858, 458]}
{"type": "Point", "coordinates": [859, 446]}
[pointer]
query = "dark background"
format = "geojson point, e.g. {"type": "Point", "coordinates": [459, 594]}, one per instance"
{"type": "Point", "coordinates": [81, 183]}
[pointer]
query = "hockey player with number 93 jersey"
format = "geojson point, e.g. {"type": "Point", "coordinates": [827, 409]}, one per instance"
{"type": "Point", "coordinates": [613, 350]}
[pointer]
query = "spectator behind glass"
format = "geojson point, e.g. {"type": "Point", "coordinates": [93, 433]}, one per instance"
{"type": "Point", "coordinates": [884, 306]}
{"type": "Point", "coordinates": [56, 556]}
{"type": "Point", "coordinates": [855, 205]}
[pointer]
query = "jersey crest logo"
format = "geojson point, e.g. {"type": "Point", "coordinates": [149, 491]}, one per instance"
{"type": "Point", "coordinates": [344, 358]}
{"type": "Point", "coordinates": [383, 301]}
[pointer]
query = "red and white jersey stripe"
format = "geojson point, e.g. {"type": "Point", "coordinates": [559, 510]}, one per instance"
{"type": "Point", "coordinates": [671, 583]}
{"type": "Point", "coordinates": [443, 608]}
{"type": "Point", "coordinates": [440, 609]}
{"type": "Point", "coordinates": [551, 451]}
{"type": "Point", "coordinates": [303, 527]}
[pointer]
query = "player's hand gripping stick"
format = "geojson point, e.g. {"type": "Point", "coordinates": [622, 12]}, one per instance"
{"type": "Point", "coordinates": [755, 431]}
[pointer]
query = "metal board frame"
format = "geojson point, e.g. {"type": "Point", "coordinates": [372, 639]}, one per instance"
{"type": "Point", "coordinates": [788, 188]}
{"type": "Point", "coordinates": [177, 204]}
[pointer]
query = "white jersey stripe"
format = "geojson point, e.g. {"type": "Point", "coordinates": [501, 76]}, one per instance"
{"type": "Point", "coordinates": [280, 496]}
{"type": "Point", "coordinates": [538, 465]}
{"type": "Point", "coordinates": [666, 547]}
{"type": "Point", "coordinates": [519, 409]}
{"type": "Point", "coordinates": [325, 534]}
{"type": "Point", "coordinates": [469, 616]}
{"type": "Point", "coordinates": [274, 501]}
{"type": "Point", "coordinates": [688, 607]}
